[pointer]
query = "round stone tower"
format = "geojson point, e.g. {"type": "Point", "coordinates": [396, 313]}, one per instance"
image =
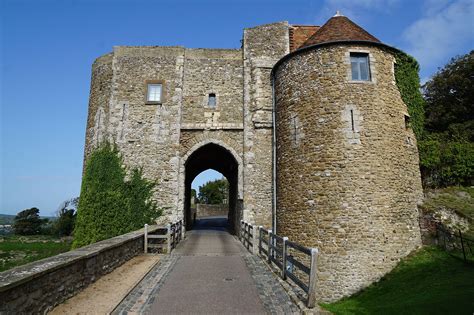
{"type": "Point", "coordinates": [348, 180]}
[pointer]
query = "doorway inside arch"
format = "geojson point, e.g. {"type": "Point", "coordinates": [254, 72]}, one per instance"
{"type": "Point", "coordinates": [215, 157]}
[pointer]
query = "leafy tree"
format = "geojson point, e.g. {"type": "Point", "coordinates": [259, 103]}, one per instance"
{"type": "Point", "coordinates": [27, 222]}
{"type": "Point", "coordinates": [447, 147]}
{"type": "Point", "coordinates": [214, 192]}
{"type": "Point", "coordinates": [66, 218]}
{"type": "Point", "coordinates": [110, 205]}
{"type": "Point", "coordinates": [449, 97]}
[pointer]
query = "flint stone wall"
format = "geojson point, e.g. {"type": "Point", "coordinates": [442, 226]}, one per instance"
{"type": "Point", "coordinates": [39, 286]}
{"type": "Point", "coordinates": [346, 185]}
{"type": "Point", "coordinates": [203, 210]}
{"type": "Point", "coordinates": [158, 137]}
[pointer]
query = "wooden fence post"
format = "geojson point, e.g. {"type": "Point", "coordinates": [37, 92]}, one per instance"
{"type": "Point", "coordinates": [312, 278]}
{"type": "Point", "coordinates": [248, 236]}
{"type": "Point", "coordinates": [283, 258]}
{"type": "Point", "coordinates": [145, 239]}
{"type": "Point", "coordinates": [462, 246]}
{"type": "Point", "coordinates": [168, 227]}
{"type": "Point", "coordinates": [260, 240]}
{"type": "Point", "coordinates": [269, 252]}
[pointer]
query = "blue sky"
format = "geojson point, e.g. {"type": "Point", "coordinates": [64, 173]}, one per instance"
{"type": "Point", "coordinates": [47, 48]}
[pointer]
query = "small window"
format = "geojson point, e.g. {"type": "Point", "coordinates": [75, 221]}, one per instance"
{"type": "Point", "coordinates": [154, 92]}
{"type": "Point", "coordinates": [211, 102]}
{"type": "Point", "coordinates": [407, 122]}
{"type": "Point", "coordinates": [360, 67]}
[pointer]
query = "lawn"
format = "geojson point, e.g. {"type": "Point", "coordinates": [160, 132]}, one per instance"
{"type": "Point", "coordinates": [429, 281]}
{"type": "Point", "coordinates": [20, 250]}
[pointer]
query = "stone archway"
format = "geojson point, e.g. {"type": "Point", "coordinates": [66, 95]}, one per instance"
{"type": "Point", "coordinates": [217, 156]}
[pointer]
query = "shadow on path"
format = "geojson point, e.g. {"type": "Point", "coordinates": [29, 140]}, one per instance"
{"type": "Point", "coordinates": [212, 223]}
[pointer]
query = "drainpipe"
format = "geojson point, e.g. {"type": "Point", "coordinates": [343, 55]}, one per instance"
{"type": "Point", "coordinates": [274, 225]}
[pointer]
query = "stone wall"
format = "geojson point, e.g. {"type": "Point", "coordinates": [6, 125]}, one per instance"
{"type": "Point", "coordinates": [39, 286]}
{"type": "Point", "coordinates": [158, 137]}
{"type": "Point", "coordinates": [348, 179]}
{"type": "Point", "coordinates": [203, 210]}
{"type": "Point", "coordinates": [99, 98]}
{"type": "Point", "coordinates": [263, 46]}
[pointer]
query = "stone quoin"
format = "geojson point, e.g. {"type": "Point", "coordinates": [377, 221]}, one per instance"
{"type": "Point", "coordinates": [305, 122]}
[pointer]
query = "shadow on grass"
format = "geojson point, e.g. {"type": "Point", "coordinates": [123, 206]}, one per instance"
{"type": "Point", "coordinates": [429, 281]}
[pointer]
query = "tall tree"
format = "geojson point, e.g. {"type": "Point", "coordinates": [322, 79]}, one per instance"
{"type": "Point", "coordinates": [27, 222]}
{"type": "Point", "coordinates": [214, 192]}
{"type": "Point", "coordinates": [449, 97]}
{"type": "Point", "coordinates": [66, 218]}
{"type": "Point", "coordinates": [447, 147]}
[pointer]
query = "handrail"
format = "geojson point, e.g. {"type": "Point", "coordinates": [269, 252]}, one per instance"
{"type": "Point", "coordinates": [275, 249]}
{"type": "Point", "coordinates": [173, 235]}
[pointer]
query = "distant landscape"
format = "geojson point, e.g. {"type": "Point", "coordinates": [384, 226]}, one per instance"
{"type": "Point", "coordinates": [7, 219]}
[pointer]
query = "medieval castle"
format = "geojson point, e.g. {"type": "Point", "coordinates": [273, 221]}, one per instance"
{"type": "Point", "coordinates": [305, 122]}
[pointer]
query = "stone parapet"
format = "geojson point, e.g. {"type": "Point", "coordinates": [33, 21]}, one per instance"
{"type": "Point", "coordinates": [39, 286]}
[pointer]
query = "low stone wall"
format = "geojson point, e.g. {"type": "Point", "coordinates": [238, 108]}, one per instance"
{"type": "Point", "coordinates": [39, 286]}
{"type": "Point", "coordinates": [203, 210]}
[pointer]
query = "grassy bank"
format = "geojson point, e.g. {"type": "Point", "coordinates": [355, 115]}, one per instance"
{"type": "Point", "coordinates": [20, 250]}
{"type": "Point", "coordinates": [430, 281]}
{"type": "Point", "coordinates": [456, 199]}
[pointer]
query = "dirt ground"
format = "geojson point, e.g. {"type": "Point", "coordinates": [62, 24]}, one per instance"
{"type": "Point", "coordinates": [102, 296]}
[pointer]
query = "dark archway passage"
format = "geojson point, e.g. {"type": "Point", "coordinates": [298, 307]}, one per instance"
{"type": "Point", "coordinates": [216, 157]}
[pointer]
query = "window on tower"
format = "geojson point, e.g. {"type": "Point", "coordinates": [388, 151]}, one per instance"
{"type": "Point", "coordinates": [360, 67]}
{"type": "Point", "coordinates": [211, 102]}
{"type": "Point", "coordinates": [154, 92]}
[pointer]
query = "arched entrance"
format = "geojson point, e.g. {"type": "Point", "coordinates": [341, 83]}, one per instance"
{"type": "Point", "coordinates": [216, 157]}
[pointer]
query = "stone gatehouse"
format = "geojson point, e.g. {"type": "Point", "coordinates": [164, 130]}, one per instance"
{"type": "Point", "coordinates": [305, 122]}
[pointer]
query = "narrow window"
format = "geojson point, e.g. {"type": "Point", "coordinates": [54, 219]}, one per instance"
{"type": "Point", "coordinates": [360, 67]}
{"type": "Point", "coordinates": [154, 92]}
{"type": "Point", "coordinates": [352, 120]}
{"type": "Point", "coordinates": [407, 122]}
{"type": "Point", "coordinates": [211, 102]}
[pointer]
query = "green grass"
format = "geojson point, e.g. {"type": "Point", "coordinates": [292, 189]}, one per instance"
{"type": "Point", "coordinates": [430, 281]}
{"type": "Point", "coordinates": [20, 250]}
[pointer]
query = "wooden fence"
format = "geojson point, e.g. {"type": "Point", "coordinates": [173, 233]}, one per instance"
{"type": "Point", "coordinates": [165, 239]}
{"type": "Point", "coordinates": [294, 261]}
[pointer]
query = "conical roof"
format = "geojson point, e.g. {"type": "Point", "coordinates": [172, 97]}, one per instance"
{"type": "Point", "coordinates": [339, 28]}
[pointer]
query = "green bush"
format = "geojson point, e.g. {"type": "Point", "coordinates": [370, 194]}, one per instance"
{"type": "Point", "coordinates": [110, 205]}
{"type": "Point", "coordinates": [445, 162]}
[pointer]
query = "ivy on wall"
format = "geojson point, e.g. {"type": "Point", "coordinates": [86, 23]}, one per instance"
{"type": "Point", "coordinates": [408, 83]}
{"type": "Point", "coordinates": [110, 204]}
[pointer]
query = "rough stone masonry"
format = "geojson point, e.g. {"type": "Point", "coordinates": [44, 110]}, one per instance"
{"type": "Point", "coordinates": [304, 120]}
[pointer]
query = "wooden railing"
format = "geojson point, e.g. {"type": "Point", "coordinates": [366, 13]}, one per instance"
{"type": "Point", "coordinates": [246, 234]}
{"type": "Point", "coordinates": [165, 239]}
{"type": "Point", "coordinates": [294, 261]}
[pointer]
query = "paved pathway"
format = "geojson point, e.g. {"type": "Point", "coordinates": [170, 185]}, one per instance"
{"type": "Point", "coordinates": [209, 273]}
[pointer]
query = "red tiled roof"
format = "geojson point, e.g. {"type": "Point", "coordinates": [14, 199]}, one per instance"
{"type": "Point", "coordinates": [299, 34]}
{"type": "Point", "coordinates": [339, 28]}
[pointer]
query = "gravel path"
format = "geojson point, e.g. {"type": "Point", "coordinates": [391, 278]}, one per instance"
{"type": "Point", "coordinates": [106, 293]}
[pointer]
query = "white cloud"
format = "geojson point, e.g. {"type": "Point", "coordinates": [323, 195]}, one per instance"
{"type": "Point", "coordinates": [443, 30]}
